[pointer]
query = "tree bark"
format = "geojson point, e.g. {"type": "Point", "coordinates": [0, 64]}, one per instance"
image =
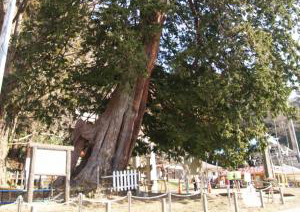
{"type": "Point", "coordinates": [112, 138]}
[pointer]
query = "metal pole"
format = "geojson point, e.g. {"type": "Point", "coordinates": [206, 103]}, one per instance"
{"type": "Point", "coordinates": [5, 37]}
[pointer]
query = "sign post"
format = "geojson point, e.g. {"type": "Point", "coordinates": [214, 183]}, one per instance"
{"type": "Point", "coordinates": [53, 160]}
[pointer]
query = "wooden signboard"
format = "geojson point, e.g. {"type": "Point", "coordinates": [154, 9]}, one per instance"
{"type": "Point", "coordinates": [49, 160]}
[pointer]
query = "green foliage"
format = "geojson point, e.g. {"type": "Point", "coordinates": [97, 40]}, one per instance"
{"type": "Point", "coordinates": [72, 54]}
{"type": "Point", "coordinates": [230, 68]}
{"type": "Point", "coordinates": [224, 66]}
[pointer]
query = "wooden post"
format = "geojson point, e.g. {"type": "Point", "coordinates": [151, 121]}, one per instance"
{"type": "Point", "coordinates": [22, 179]}
{"type": "Point", "coordinates": [51, 192]}
{"type": "Point", "coordinates": [272, 195]}
{"type": "Point", "coordinates": [68, 176]}
{"type": "Point", "coordinates": [228, 196]}
{"type": "Point", "coordinates": [205, 206]}
{"type": "Point", "coordinates": [261, 199]}
{"type": "Point", "coordinates": [163, 205]}
{"type": "Point", "coordinates": [80, 197]}
{"type": "Point", "coordinates": [129, 201]}
{"type": "Point", "coordinates": [170, 201]}
{"type": "Point", "coordinates": [17, 178]}
{"type": "Point", "coordinates": [40, 182]}
{"type": "Point", "coordinates": [33, 209]}
{"type": "Point", "coordinates": [98, 176]}
{"type": "Point", "coordinates": [19, 202]}
{"type": "Point", "coordinates": [31, 176]}
{"type": "Point", "coordinates": [201, 192]}
{"type": "Point", "coordinates": [269, 173]}
{"type": "Point", "coordinates": [107, 207]}
{"type": "Point", "coordinates": [236, 206]}
{"type": "Point", "coordinates": [9, 196]}
{"type": "Point", "coordinates": [281, 196]}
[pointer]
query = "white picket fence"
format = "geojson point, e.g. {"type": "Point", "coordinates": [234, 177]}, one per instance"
{"type": "Point", "coordinates": [125, 180]}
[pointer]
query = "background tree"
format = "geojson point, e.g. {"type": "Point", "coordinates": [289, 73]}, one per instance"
{"type": "Point", "coordinates": [224, 66]}
{"type": "Point", "coordinates": [7, 127]}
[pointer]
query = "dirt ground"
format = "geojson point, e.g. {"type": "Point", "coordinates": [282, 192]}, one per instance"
{"type": "Point", "coordinates": [216, 203]}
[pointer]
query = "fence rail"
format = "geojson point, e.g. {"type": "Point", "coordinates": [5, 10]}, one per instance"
{"type": "Point", "coordinates": [165, 202]}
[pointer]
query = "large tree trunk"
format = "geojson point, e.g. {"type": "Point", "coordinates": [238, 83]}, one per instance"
{"type": "Point", "coordinates": [112, 138]}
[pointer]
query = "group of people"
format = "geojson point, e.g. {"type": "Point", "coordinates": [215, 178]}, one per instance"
{"type": "Point", "coordinates": [197, 180]}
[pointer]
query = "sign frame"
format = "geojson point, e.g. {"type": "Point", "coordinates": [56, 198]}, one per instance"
{"type": "Point", "coordinates": [38, 146]}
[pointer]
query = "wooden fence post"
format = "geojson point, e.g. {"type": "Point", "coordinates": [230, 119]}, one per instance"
{"type": "Point", "coordinates": [170, 201]}
{"type": "Point", "coordinates": [22, 179]}
{"type": "Point", "coordinates": [201, 192]}
{"type": "Point", "coordinates": [51, 191]}
{"type": "Point", "coordinates": [129, 200]}
{"type": "Point", "coordinates": [68, 177]}
{"type": "Point", "coordinates": [33, 209]}
{"type": "Point", "coordinates": [281, 196]}
{"type": "Point", "coordinates": [98, 176]}
{"type": "Point", "coordinates": [236, 206]}
{"type": "Point", "coordinates": [205, 206]}
{"type": "Point", "coordinates": [17, 178]}
{"type": "Point", "coordinates": [261, 199]}
{"type": "Point", "coordinates": [228, 196]}
{"type": "Point", "coordinates": [31, 176]}
{"type": "Point", "coordinates": [80, 197]}
{"type": "Point", "coordinates": [163, 205]}
{"type": "Point", "coordinates": [20, 202]}
{"type": "Point", "coordinates": [108, 207]}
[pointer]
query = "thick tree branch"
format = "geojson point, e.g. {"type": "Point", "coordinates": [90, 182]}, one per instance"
{"type": "Point", "coordinates": [21, 9]}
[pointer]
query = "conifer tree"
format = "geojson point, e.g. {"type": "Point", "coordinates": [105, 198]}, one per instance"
{"type": "Point", "coordinates": [215, 69]}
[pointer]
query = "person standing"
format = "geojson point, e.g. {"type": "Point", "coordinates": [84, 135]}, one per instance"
{"type": "Point", "coordinates": [195, 184]}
